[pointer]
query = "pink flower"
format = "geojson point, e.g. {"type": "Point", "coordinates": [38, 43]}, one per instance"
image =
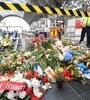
{"type": "Point", "coordinates": [20, 59]}
{"type": "Point", "coordinates": [45, 53]}
{"type": "Point", "coordinates": [32, 59]}
{"type": "Point", "coordinates": [44, 40]}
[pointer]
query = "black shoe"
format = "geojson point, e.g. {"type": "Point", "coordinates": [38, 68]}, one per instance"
{"type": "Point", "coordinates": [80, 42]}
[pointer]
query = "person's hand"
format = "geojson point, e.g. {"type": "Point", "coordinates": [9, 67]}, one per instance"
{"type": "Point", "coordinates": [82, 25]}
{"type": "Point", "coordinates": [81, 58]}
{"type": "Point", "coordinates": [88, 65]}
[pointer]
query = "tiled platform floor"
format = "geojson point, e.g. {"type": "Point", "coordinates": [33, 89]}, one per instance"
{"type": "Point", "coordinates": [70, 91]}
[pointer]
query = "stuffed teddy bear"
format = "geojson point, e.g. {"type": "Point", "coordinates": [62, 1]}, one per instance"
{"type": "Point", "coordinates": [58, 43]}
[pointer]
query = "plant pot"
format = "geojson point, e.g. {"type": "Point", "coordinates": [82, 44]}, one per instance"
{"type": "Point", "coordinates": [59, 84]}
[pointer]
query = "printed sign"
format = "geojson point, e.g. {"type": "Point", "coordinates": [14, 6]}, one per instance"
{"type": "Point", "coordinates": [13, 86]}
{"type": "Point", "coordinates": [54, 32]}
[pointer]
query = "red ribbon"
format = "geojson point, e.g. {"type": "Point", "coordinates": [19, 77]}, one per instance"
{"type": "Point", "coordinates": [13, 86]}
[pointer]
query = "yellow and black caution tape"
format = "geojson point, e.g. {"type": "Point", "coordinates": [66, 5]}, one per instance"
{"type": "Point", "coordinates": [39, 9]}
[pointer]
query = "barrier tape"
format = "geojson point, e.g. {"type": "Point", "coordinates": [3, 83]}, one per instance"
{"type": "Point", "coordinates": [39, 9]}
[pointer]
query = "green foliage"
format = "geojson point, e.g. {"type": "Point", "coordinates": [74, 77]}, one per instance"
{"type": "Point", "coordinates": [60, 76]}
{"type": "Point", "coordinates": [47, 44]}
{"type": "Point", "coordinates": [66, 42]}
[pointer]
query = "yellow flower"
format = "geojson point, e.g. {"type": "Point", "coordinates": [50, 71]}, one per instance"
{"type": "Point", "coordinates": [6, 39]}
{"type": "Point", "coordinates": [72, 72]}
{"type": "Point", "coordinates": [10, 61]}
{"type": "Point", "coordinates": [74, 57]}
{"type": "Point", "coordinates": [60, 69]}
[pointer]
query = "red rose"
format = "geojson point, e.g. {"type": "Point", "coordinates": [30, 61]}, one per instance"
{"type": "Point", "coordinates": [36, 75]}
{"type": "Point", "coordinates": [29, 74]}
{"type": "Point", "coordinates": [26, 86]}
{"type": "Point", "coordinates": [9, 74]}
{"type": "Point", "coordinates": [69, 75]}
{"type": "Point", "coordinates": [65, 72]}
{"type": "Point", "coordinates": [33, 97]}
{"type": "Point", "coordinates": [45, 52]}
{"type": "Point", "coordinates": [45, 79]}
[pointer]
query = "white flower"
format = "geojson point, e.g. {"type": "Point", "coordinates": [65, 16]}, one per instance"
{"type": "Point", "coordinates": [27, 54]}
{"type": "Point", "coordinates": [36, 92]}
{"type": "Point", "coordinates": [39, 94]}
{"type": "Point", "coordinates": [22, 94]}
{"type": "Point", "coordinates": [14, 99]}
{"type": "Point", "coordinates": [19, 77]}
{"type": "Point", "coordinates": [46, 86]}
{"type": "Point", "coordinates": [35, 83]}
{"type": "Point", "coordinates": [61, 57]}
{"type": "Point", "coordinates": [10, 95]}
{"type": "Point", "coordinates": [13, 79]}
{"type": "Point", "coordinates": [7, 36]}
{"type": "Point", "coordinates": [1, 91]}
{"type": "Point", "coordinates": [3, 78]}
{"type": "Point", "coordinates": [4, 43]}
{"type": "Point", "coordinates": [28, 82]}
{"type": "Point", "coordinates": [16, 94]}
{"type": "Point", "coordinates": [47, 55]}
{"type": "Point", "coordinates": [75, 61]}
{"type": "Point", "coordinates": [1, 38]}
{"type": "Point", "coordinates": [49, 50]}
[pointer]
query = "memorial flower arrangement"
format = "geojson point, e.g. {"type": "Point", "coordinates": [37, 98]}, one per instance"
{"type": "Point", "coordinates": [18, 87]}
{"type": "Point", "coordinates": [41, 65]}
{"type": "Point", "coordinates": [5, 42]}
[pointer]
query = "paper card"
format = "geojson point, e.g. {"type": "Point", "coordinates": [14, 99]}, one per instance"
{"type": "Point", "coordinates": [50, 73]}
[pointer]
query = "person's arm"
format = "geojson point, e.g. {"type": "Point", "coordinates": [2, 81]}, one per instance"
{"type": "Point", "coordinates": [85, 58]}
{"type": "Point", "coordinates": [84, 21]}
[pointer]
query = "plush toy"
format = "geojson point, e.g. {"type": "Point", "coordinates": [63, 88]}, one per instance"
{"type": "Point", "coordinates": [83, 68]}
{"type": "Point", "coordinates": [58, 43]}
{"type": "Point", "coordinates": [68, 56]}
{"type": "Point", "coordinates": [70, 51]}
{"type": "Point", "coordinates": [77, 53]}
{"type": "Point", "coordinates": [38, 69]}
{"type": "Point", "coordinates": [65, 49]}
